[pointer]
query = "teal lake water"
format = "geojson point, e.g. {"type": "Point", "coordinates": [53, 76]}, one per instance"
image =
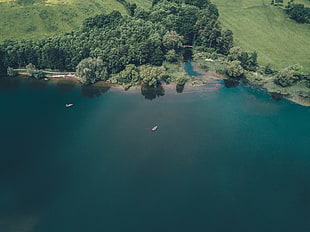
{"type": "Point", "coordinates": [222, 160]}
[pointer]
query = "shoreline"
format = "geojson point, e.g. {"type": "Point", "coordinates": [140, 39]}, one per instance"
{"type": "Point", "coordinates": [203, 79]}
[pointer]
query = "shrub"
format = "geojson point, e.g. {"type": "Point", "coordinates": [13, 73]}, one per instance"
{"type": "Point", "coordinates": [33, 72]}
{"type": "Point", "coordinates": [182, 80]}
{"type": "Point", "coordinates": [286, 77]}
{"type": "Point", "coordinates": [11, 72]}
{"type": "Point", "coordinates": [234, 69]}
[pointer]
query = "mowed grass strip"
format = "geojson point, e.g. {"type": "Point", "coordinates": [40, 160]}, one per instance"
{"type": "Point", "coordinates": [260, 27]}
{"type": "Point", "coordinates": [40, 18]}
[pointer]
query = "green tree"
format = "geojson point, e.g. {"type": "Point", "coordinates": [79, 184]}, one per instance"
{"type": "Point", "coordinates": [268, 69]}
{"type": "Point", "coordinates": [235, 53]}
{"type": "Point", "coordinates": [90, 70]}
{"type": "Point", "coordinates": [185, 25]}
{"type": "Point", "coordinates": [234, 69]}
{"type": "Point", "coordinates": [151, 75]}
{"type": "Point", "coordinates": [286, 77]}
{"type": "Point", "coordinates": [252, 62]}
{"type": "Point", "coordinates": [129, 74]}
{"type": "Point", "coordinates": [225, 42]}
{"type": "Point", "coordinates": [172, 56]}
{"type": "Point", "coordinates": [157, 56]}
{"type": "Point", "coordinates": [31, 68]}
{"type": "Point", "coordinates": [182, 80]}
{"type": "Point", "coordinates": [33, 72]}
{"type": "Point", "coordinates": [172, 40]}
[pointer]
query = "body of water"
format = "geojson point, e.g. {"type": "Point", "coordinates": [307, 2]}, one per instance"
{"type": "Point", "coordinates": [222, 160]}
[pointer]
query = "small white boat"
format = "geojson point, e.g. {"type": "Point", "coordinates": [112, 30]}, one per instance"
{"type": "Point", "coordinates": [154, 128]}
{"type": "Point", "coordinates": [69, 105]}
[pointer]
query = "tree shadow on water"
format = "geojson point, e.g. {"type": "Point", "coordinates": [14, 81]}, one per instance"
{"type": "Point", "coordinates": [276, 96]}
{"type": "Point", "coordinates": [91, 91]}
{"type": "Point", "coordinates": [179, 88]}
{"type": "Point", "coordinates": [35, 84]}
{"type": "Point", "coordinates": [151, 92]}
{"type": "Point", "coordinates": [231, 83]}
{"type": "Point", "coordinates": [9, 84]}
{"type": "Point", "coordinates": [65, 87]}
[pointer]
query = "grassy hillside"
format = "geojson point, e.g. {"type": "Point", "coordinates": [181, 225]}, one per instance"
{"type": "Point", "coordinates": [37, 18]}
{"type": "Point", "coordinates": [259, 26]}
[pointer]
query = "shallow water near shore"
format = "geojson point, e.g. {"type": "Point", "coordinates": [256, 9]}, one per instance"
{"type": "Point", "coordinates": [222, 159]}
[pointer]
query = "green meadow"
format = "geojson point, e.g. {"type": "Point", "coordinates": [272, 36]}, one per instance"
{"type": "Point", "coordinates": [28, 19]}
{"type": "Point", "coordinates": [259, 26]}
{"type": "Point", "coordinates": [24, 19]}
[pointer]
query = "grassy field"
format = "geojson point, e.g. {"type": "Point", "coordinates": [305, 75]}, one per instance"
{"type": "Point", "coordinates": [23, 19]}
{"type": "Point", "coordinates": [259, 26]}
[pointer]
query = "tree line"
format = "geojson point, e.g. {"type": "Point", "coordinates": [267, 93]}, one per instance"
{"type": "Point", "coordinates": [298, 12]}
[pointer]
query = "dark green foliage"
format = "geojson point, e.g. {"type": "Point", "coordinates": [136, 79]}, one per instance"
{"type": "Point", "coordinates": [132, 8]}
{"type": "Point", "coordinates": [298, 12]}
{"type": "Point", "coordinates": [111, 20]}
{"type": "Point", "coordinates": [225, 42]}
{"type": "Point", "coordinates": [268, 69]}
{"type": "Point", "coordinates": [157, 57]}
{"type": "Point", "coordinates": [141, 13]}
{"type": "Point", "coordinates": [129, 7]}
{"type": "Point", "coordinates": [185, 25]}
{"type": "Point", "coordinates": [154, 2]}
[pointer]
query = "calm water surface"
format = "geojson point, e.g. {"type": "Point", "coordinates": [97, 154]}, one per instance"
{"type": "Point", "coordinates": [222, 159]}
